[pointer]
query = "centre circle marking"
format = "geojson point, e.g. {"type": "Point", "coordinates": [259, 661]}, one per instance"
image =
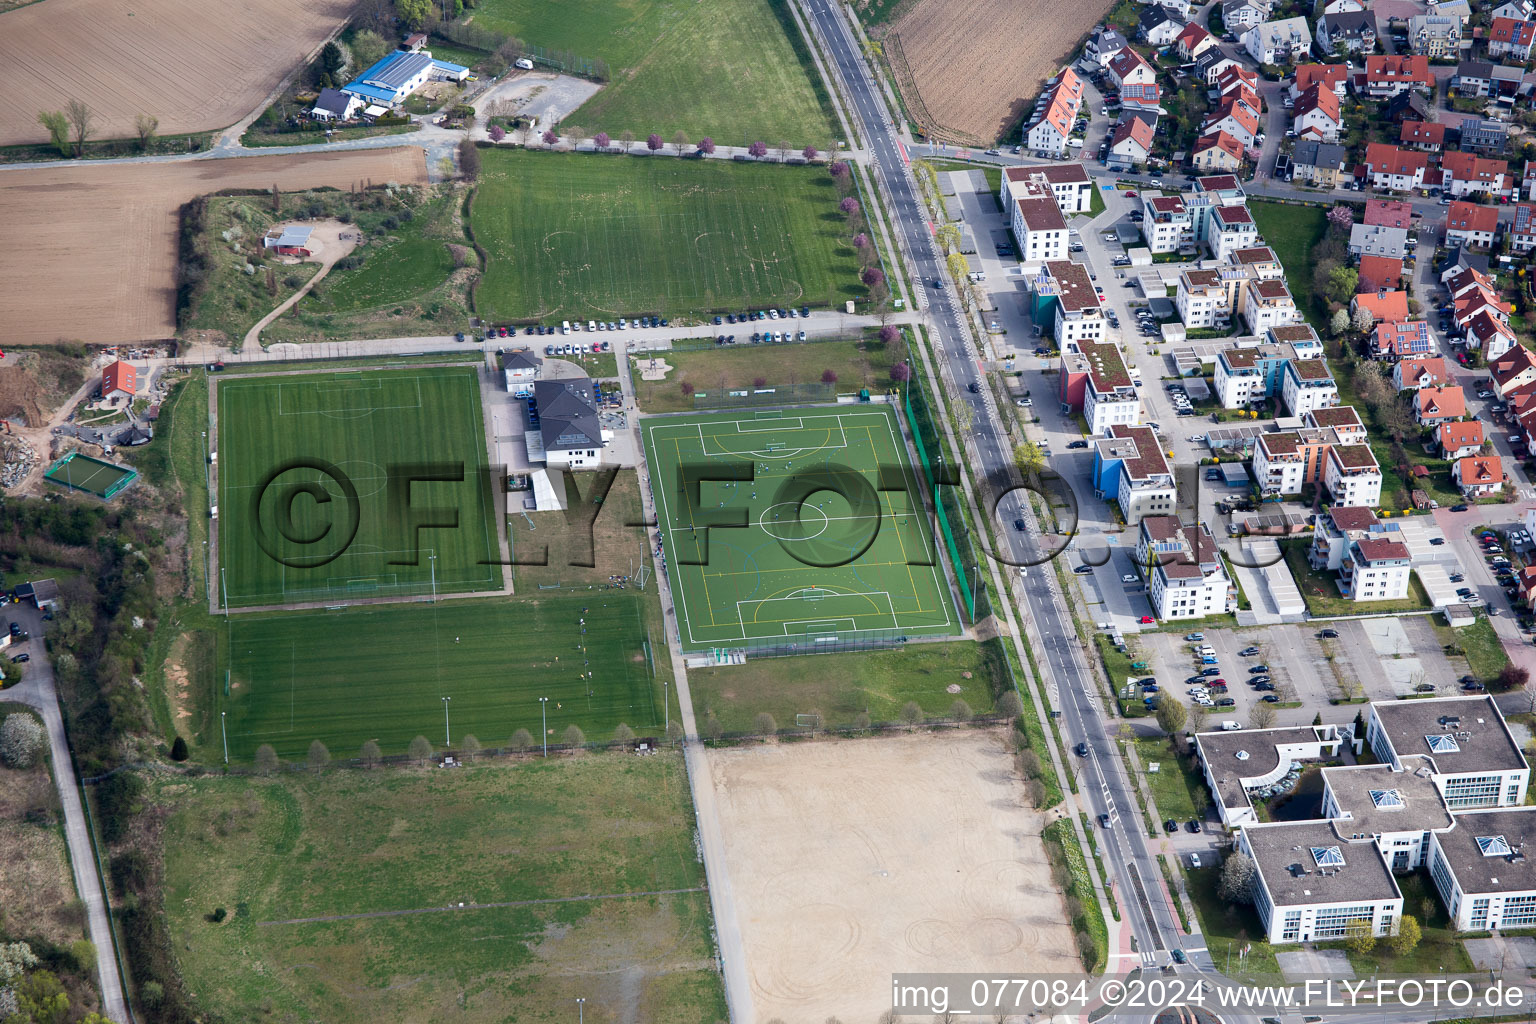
{"type": "Point", "coordinates": [767, 523]}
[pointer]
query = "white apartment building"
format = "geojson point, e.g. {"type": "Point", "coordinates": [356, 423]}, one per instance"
{"type": "Point", "coordinates": [1188, 578]}
{"type": "Point", "coordinates": [1069, 183]}
{"type": "Point", "coordinates": [1037, 223]}
{"type": "Point", "coordinates": [1375, 569]}
{"type": "Point", "coordinates": [1268, 304]}
{"type": "Point", "coordinates": [1306, 386]}
{"type": "Point", "coordinates": [1280, 463]}
{"type": "Point", "coordinates": [1079, 316]}
{"type": "Point", "coordinates": [1352, 476]}
{"type": "Point", "coordinates": [1201, 299]}
{"type": "Point", "coordinates": [1166, 223]}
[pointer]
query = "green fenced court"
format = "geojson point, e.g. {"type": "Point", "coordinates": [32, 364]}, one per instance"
{"type": "Point", "coordinates": [380, 672]}
{"type": "Point", "coordinates": [80, 472]}
{"type": "Point", "coordinates": [801, 529]}
{"type": "Point", "coordinates": [335, 486]}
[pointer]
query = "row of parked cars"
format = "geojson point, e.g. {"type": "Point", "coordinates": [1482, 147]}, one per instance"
{"type": "Point", "coordinates": [763, 314]}
{"type": "Point", "coordinates": [576, 350]}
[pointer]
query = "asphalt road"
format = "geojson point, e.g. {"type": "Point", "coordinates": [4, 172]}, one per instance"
{"type": "Point", "coordinates": [1104, 786]}
{"type": "Point", "coordinates": [37, 690]}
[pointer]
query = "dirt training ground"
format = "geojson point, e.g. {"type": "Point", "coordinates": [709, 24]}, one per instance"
{"type": "Point", "coordinates": [91, 249]}
{"type": "Point", "coordinates": [195, 66]}
{"type": "Point", "coordinates": [969, 69]}
{"type": "Point", "coordinates": [852, 859]}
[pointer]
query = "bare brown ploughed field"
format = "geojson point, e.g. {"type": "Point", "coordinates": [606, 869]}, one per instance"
{"type": "Point", "coordinates": [851, 859]}
{"type": "Point", "coordinates": [976, 66]}
{"type": "Point", "coordinates": [90, 251]}
{"type": "Point", "coordinates": [193, 65]}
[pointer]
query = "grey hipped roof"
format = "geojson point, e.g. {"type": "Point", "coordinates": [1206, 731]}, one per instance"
{"type": "Point", "coordinates": [334, 101]}
{"type": "Point", "coordinates": [567, 414]}
{"type": "Point", "coordinates": [519, 359]}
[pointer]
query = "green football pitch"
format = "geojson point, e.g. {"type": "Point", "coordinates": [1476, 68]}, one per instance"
{"type": "Point", "coordinates": [379, 672]}
{"type": "Point", "coordinates": [798, 527]}
{"type": "Point", "coordinates": [314, 495]}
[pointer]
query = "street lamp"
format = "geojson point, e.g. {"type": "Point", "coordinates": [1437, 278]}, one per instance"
{"type": "Point", "coordinates": [544, 715]}
{"type": "Point", "coordinates": [225, 735]}
{"type": "Point", "coordinates": [447, 736]}
{"type": "Point", "coordinates": [581, 1011]}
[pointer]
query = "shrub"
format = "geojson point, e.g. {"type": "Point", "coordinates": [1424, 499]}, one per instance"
{"type": "Point", "coordinates": [574, 737]}
{"type": "Point", "coordinates": [764, 725]}
{"type": "Point", "coordinates": [21, 740]}
{"type": "Point", "coordinates": [521, 740]}
{"type": "Point", "coordinates": [179, 749]}
{"type": "Point", "coordinates": [218, 915]}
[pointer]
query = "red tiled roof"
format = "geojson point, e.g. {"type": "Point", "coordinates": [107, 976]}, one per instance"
{"type": "Point", "coordinates": [1134, 129]}
{"type": "Point", "coordinates": [1511, 364]}
{"type": "Point", "coordinates": [1398, 68]}
{"type": "Point", "coordinates": [1222, 141]}
{"type": "Point", "coordinates": [119, 376]}
{"type": "Point", "coordinates": [1384, 159]}
{"type": "Point", "coordinates": [1471, 217]}
{"type": "Point", "coordinates": [1330, 75]}
{"type": "Point", "coordinates": [1480, 469]}
{"type": "Point", "coordinates": [1385, 305]}
{"type": "Point", "coordinates": [1512, 31]}
{"type": "Point", "coordinates": [1392, 213]}
{"type": "Point", "coordinates": [1320, 98]}
{"type": "Point", "coordinates": [1422, 133]}
{"type": "Point", "coordinates": [1458, 435]}
{"type": "Point", "coordinates": [1443, 402]}
{"type": "Point", "coordinates": [1353, 517]}
{"type": "Point", "coordinates": [1467, 167]}
{"type": "Point", "coordinates": [1379, 273]}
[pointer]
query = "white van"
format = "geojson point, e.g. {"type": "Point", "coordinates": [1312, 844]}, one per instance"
{"type": "Point", "coordinates": [524, 63]}
{"type": "Point", "coordinates": [1207, 652]}
{"type": "Point", "coordinates": [591, 325]}
{"type": "Point", "coordinates": [565, 327]}
{"type": "Point", "coordinates": [1230, 726]}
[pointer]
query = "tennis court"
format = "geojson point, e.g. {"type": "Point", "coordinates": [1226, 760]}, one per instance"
{"type": "Point", "coordinates": [795, 527]}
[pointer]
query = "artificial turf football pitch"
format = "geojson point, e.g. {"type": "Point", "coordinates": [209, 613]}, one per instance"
{"type": "Point", "coordinates": [379, 672]}
{"type": "Point", "coordinates": [795, 527]}
{"type": "Point", "coordinates": [313, 494]}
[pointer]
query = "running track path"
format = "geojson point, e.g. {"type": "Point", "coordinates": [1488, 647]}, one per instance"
{"type": "Point", "coordinates": [722, 899]}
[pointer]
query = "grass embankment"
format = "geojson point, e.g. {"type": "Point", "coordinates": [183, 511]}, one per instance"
{"type": "Point", "coordinates": [350, 842]}
{"type": "Point", "coordinates": [1062, 848]}
{"type": "Point", "coordinates": [857, 364]}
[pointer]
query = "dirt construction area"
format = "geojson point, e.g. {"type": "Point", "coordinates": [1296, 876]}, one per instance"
{"type": "Point", "coordinates": [91, 249]}
{"type": "Point", "coordinates": [195, 66]}
{"type": "Point", "coordinates": [849, 860]}
{"type": "Point", "coordinates": [970, 69]}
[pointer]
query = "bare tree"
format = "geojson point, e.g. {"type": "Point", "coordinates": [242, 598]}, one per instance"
{"type": "Point", "coordinates": [319, 756]}
{"type": "Point", "coordinates": [421, 749]}
{"type": "Point", "coordinates": [674, 731]}
{"type": "Point", "coordinates": [783, 148]}
{"type": "Point", "coordinates": [521, 740]}
{"type": "Point", "coordinates": [679, 140]}
{"type": "Point", "coordinates": [371, 755]}
{"type": "Point", "coordinates": [624, 734]}
{"type": "Point", "coordinates": [912, 713]}
{"type": "Point", "coordinates": [577, 135]}
{"type": "Point", "coordinates": [764, 725]}
{"type": "Point", "coordinates": [266, 759]}
{"type": "Point", "coordinates": [574, 737]}
{"type": "Point", "coordinates": [80, 123]}
{"type": "Point", "coordinates": [145, 125]}
{"type": "Point", "coordinates": [1262, 716]}
{"type": "Point", "coordinates": [627, 137]}
{"type": "Point", "coordinates": [469, 747]}
{"type": "Point", "coordinates": [960, 711]}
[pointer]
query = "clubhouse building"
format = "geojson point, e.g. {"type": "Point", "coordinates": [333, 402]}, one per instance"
{"type": "Point", "coordinates": [1446, 793]}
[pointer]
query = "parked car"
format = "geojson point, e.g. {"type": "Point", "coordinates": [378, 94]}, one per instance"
{"type": "Point", "coordinates": [1127, 578]}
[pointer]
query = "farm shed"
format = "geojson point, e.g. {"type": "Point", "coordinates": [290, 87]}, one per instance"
{"type": "Point", "coordinates": [44, 594]}
{"type": "Point", "coordinates": [290, 240]}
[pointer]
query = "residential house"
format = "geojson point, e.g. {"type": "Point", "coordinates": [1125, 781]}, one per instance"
{"type": "Point", "coordinates": [1522, 231]}
{"type": "Point", "coordinates": [1520, 10]}
{"type": "Point", "coordinates": [1459, 258]}
{"type": "Point", "coordinates": [1166, 223]}
{"type": "Point", "coordinates": [1473, 79]}
{"type": "Point", "coordinates": [1316, 114]}
{"type": "Point", "coordinates": [1351, 475]}
{"type": "Point", "coordinates": [1079, 317]}
{"type": "Point", "coordinates": [1130, 470]}
{"type": "Point", "coordinates": [1509, 39]}
{"type": "Point", "coordinates": [1392, 213]}
{"type": "Point", "coordinates": [1055, 112]}
{"type": "Point", "coordinates": [1513, 370]}
{"type": "Point", "coordinates": [1231, 229]}
{"type": "Point", "coordinates": [1194, 41]}
{"type": "Point", "coordinates": [1376, 569]}
{"type": "Point", "coordinates": [1267, 304]}
{"type": "Point", "coordinates": [1037, 223]}
{"type": "Point", "coordinates": [1336, 532]}
{"type": "Point", "coordinates": [1465, 174]}
{"type": "Point", "coordinates": [1389, 74]}
{"type": "Point", "coordinates": [1460, 440]}
{"type": "Point", "coordinates": [1403, 339]}
{"type": "Point", "coordinates": [1331, 76]}
{"type": "Point", "coordinates": [1434, 35]}
{"type": "Point", "coordinates": [1145, 100]}
{"type": "Point", "coordinates": [1278, 42]}
{"type": "Point", "coordinates": [1258, 262]}
{"type": "Point", "coordinates": [1426, 136]}
{"type": "Point", "coordinates": [1433, 406]}
{"type": "Point", "coordinates": [119, 380]}
{"type": "Point", "coordinates": [1408, 106]}
{"type": "Point", "coordinates": [1307, 384]}
{"type": "Point", "coordinates": [1235, 118]}
{"type": "Point", "coordinates": [1399, 170]}
{"type": "Point", "coordinates": [1486, 135]}
{"type": "Point", "coordinates": [1217, 151]}
{"type": "Point", "coordinates": [1094, 379]}
{"type": "Point", "coordinates": [1070, 182]}
{"type": "Point", "coordinates": [1421, 373]}
{"type": "Point", "coordinates": [1211, 64]}
{"type": "Point", "coordinates": [1478, 475]}
{"type": "Point", "coordinates": [1379, 274]}
{"type": "Point", "coordinates": [1382, 306]}
{"type": "Point", "coordinates": [1321, 163]}
{"type": "Point", "coordinates": [336, 105]}
{"type": "Point", "coordinates": [1340, 6]}
{"type": "Point", "coordinates": [1188, 579]}
{"type": "Point", "coordinates": [1130, 142]}
{"type": "Point", "coordinates": [1201, 299]}
{"type": "Point", "coordinates": [1158, 25]}
{"type": "Point", "coordinates": [1346, 32]}
{"type": "Point", "coordinates": [1488, 331]}
{"type": "Point", "coordinates": [1103, 45]}
{"type": "Point", "coordinates": [1239, 15]}
{"type": "Point", "coordinates": [1378, 240]}
{"type": "Point", "coordinates": [1470, 224]}
{"type": "Point", "coordinates": [1130, 68]}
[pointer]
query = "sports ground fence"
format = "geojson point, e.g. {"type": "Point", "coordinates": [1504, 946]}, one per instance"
{"type": "Point", "coordinates": [949, 509]}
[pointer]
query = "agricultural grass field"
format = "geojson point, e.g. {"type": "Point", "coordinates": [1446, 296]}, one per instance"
{"type": "Point", "coordinates": [864, 363]}
{"type": "Point", "coordinates": [379, 672]}
{"type": "Point", "coordinates": [351, 842]}
{"type": "Point", "coordinates": [290, 445]}
{"type": "Point", "coordinates": [807, 527]}
{"type": "Point", "coordinates": [736, 70]}
{"type": "Point", "coordinates": [579, 235]}
{"type": "Point", "coordinates": [840, 687]}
